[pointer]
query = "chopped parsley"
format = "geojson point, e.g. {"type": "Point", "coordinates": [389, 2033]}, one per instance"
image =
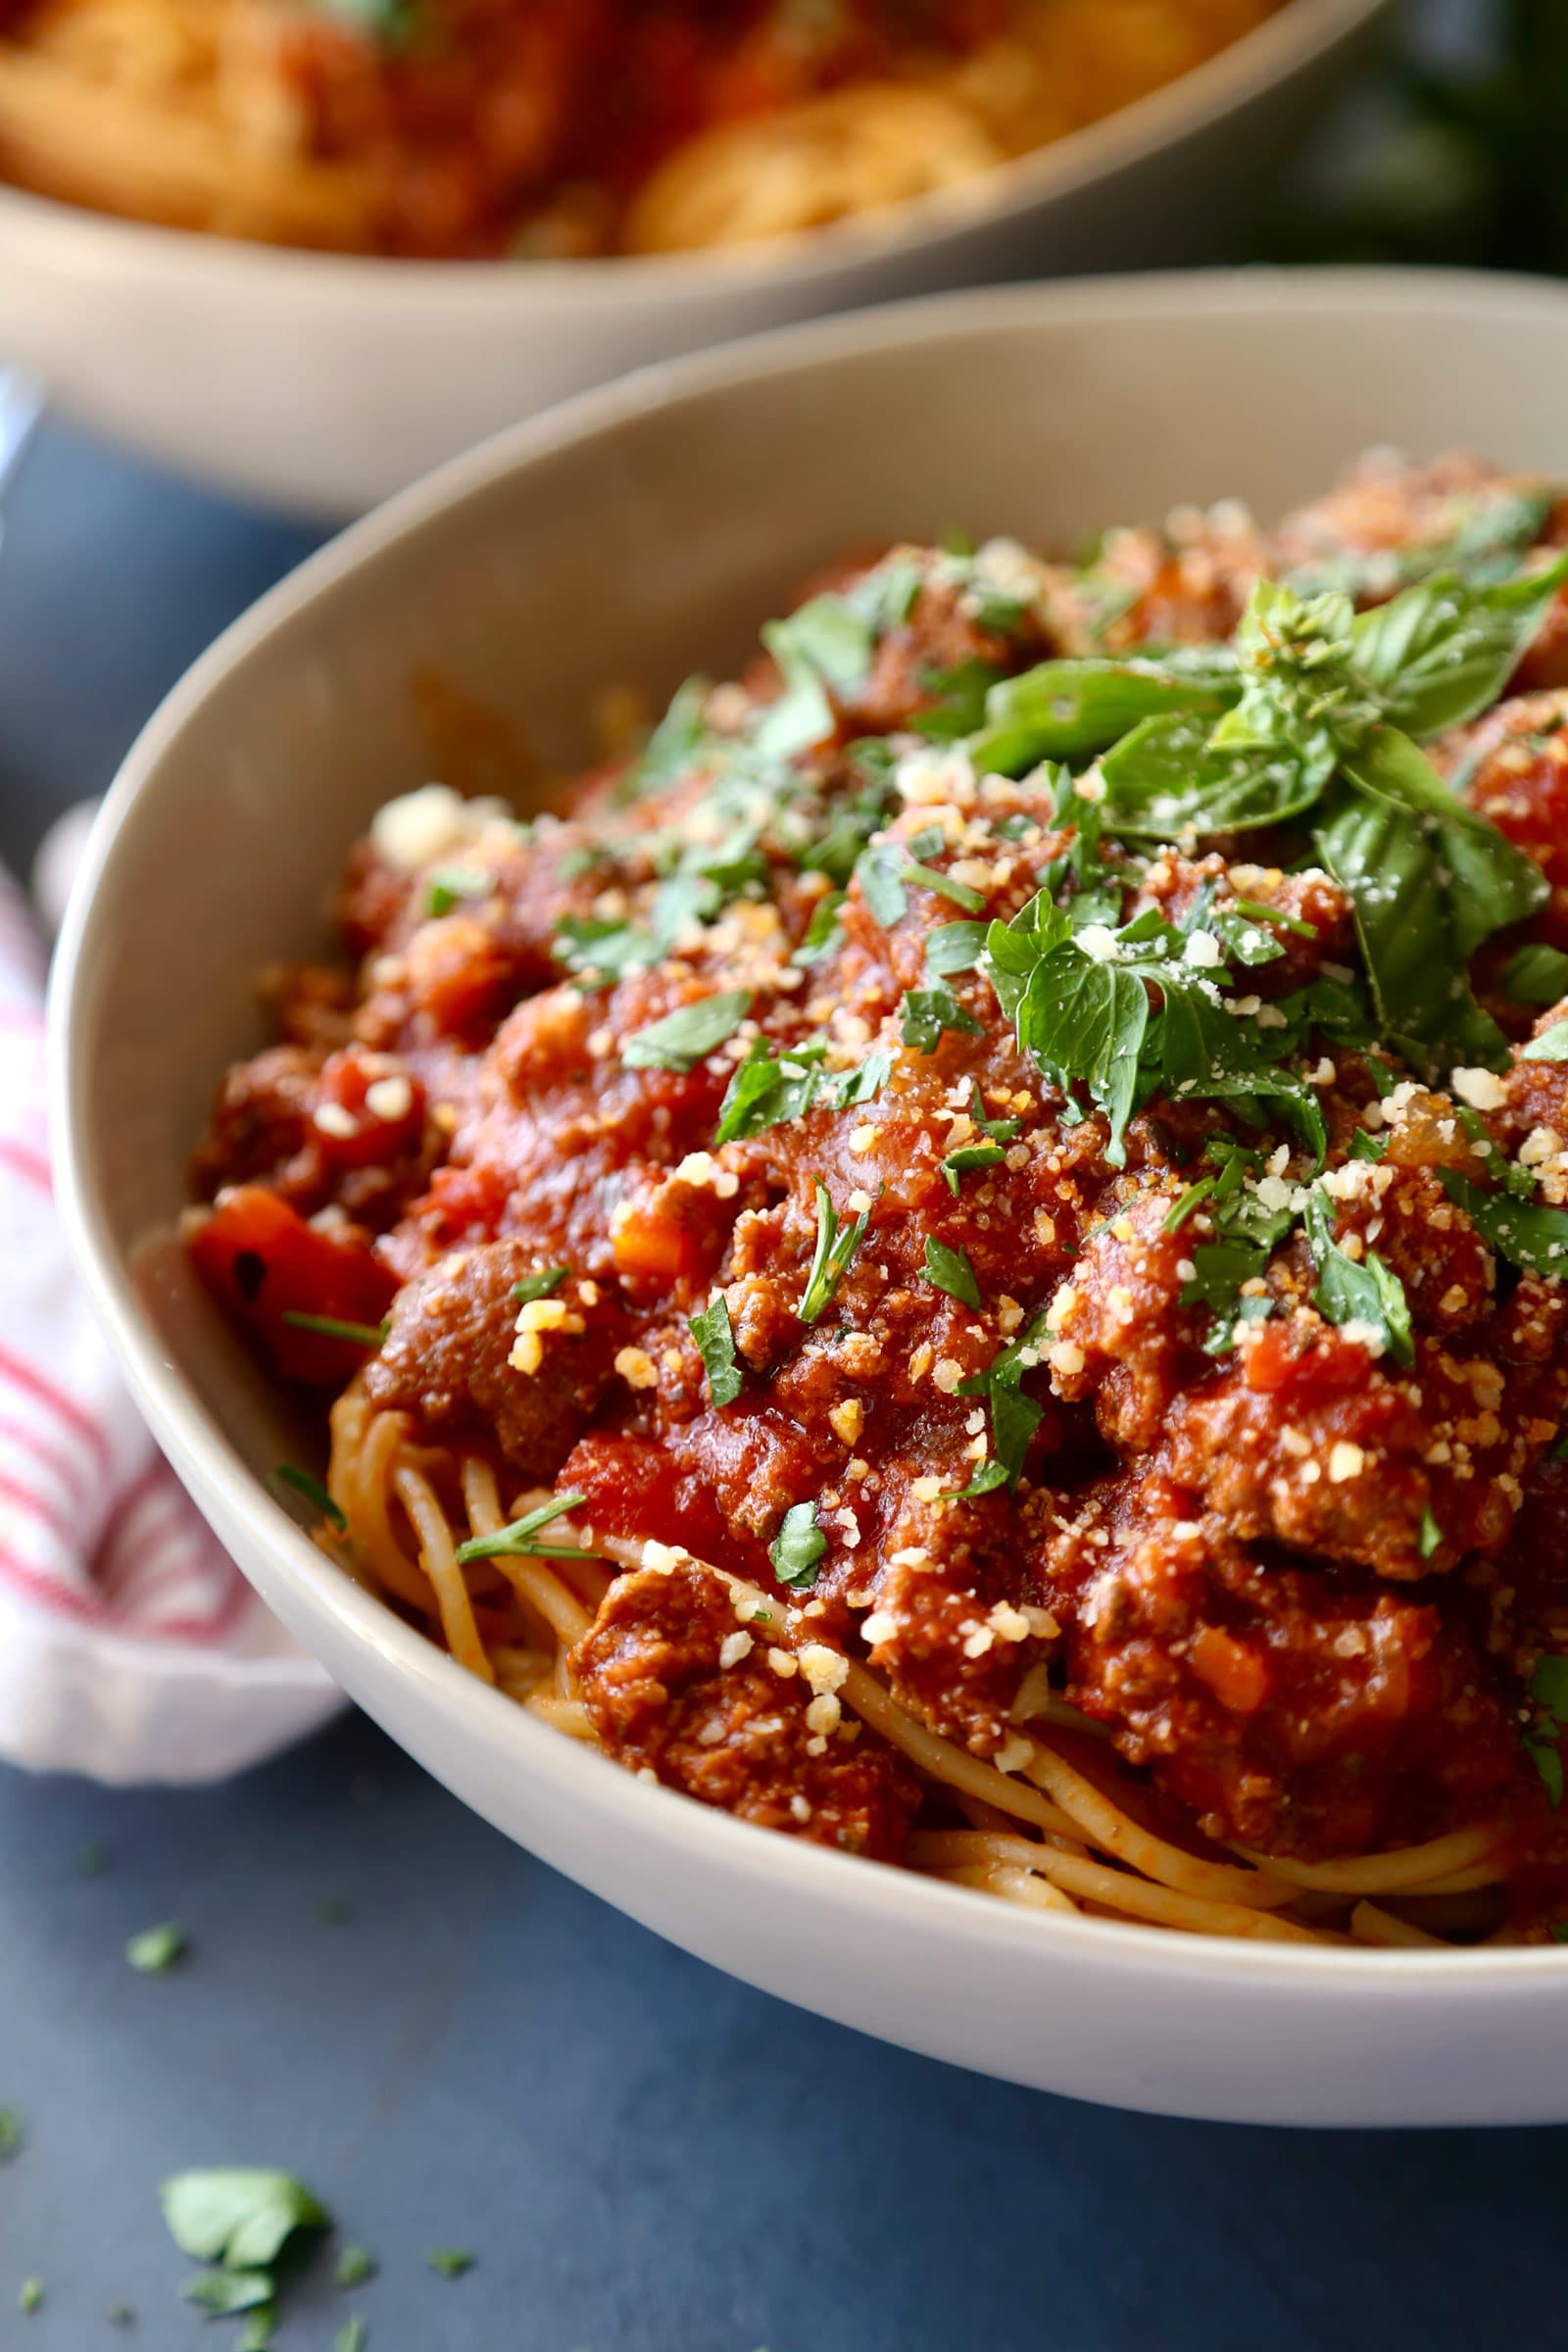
{"type": "Point", "coordinates": [683, 1038]}
{"type": "Point", "coordinates": [1431, 1538]}
{"type": "Point", "coordinates": [798, 1548]}
{"type": "Point", "coordinates": [716, 1344]}
{"type": "Point", "coordinates": [450, 2261]}
{"type": "Point", "coordinates": [1524, 1232]}
{"type": "Point", "coordinates": [966, 1159]}
{"type": "Point", "coordinates": [332, 1327]}
{"type": "Point", "coordinates": [1015, 1417]}
{"type": "Point", "coordinates": [950, 1270]}
{"type": "Point", "coordinates": [953, 947]}
{"type": "Point", "coordinates": [776, 1083]}
{"type": "Point", "coordinates": [1544, 1735]}
{"type": "Point", "coordinates": [517, 1540]}
{"type": "Point", "coordinates": [294, 1480]}
{"type": "Point", "coordinates": [824, 933]}
{"type": "Point", "coordinates": [449, 884]}
{"type": "Point", "coordinates": [836, 1245]}
{"type": "Point", "coordinates": [156, 1950]}
{"type": "Point", "coordinates": [543, 1284]}
{"type": "Point", "coordinates": [928, 1012]}
{"type": "Point", "coordinates": [1363, 1291]}
{"type": "Point", "coordinates": [988, 1476]}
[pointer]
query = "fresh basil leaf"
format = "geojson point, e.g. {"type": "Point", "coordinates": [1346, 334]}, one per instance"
{"type": "Point", "coordinates": [1550, 1046]}
{"type": "Point", "coordinates": [1366, 1146]}
{"type": "Point", "coordinates": [950, 1270]}
{"type": "Point", "coordinates": [1351, 1291]}
{"type": "Point", "coordinates": [1536, 975]}
{"type": "Point", "coordinates": [928, 1012]}
{"type": "Point", "coordinates": [1443, 651]}
{"type": "Point", "coordinates": [1429, 881]}
{"type": "Point", "coordinates": [239, 2216]}
{"type": "Point", "coordinates": [959, 706]}
{"type": "Point", "coordinates": [956, 948]}
{"type": "Point", "coordinates": [1163, 781]}
{"type": "Point", "coordinates": [1525, 1232]}
{"type": "Point", "coordinates": [715, 1343]}
{"type": "Point", "coordinates": [1064, 710]}
{"type": "Point", "coordinates": [798, 1548]}
{"type": "Point", "coordinates": [1085, 1019]}
{"type": "Point", "coordinates": [836, 1246]}
{"type": "Point", "coordinates": [686, 1037]}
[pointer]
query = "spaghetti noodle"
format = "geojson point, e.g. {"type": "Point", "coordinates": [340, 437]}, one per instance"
{"type": "Point", "coordinates": [876, 1278]}
{"type": "Point", "coordinates": [557, 128]}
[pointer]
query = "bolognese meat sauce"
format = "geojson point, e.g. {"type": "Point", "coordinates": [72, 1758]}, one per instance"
{"type": "Point", "coordinates": [984, 1130]}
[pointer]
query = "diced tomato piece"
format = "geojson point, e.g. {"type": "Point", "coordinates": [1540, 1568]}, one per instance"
{"type": "Point", "coordinates": [261, 1260]}
{"type": "Point", "coordinates": [1274, 1361]}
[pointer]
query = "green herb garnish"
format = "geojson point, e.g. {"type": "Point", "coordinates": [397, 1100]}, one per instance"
{"type": "Point", "coordinates": [715, 1343]}
{"type": "Point", "coordinates": [966, 1159]}
{"type": "Point", "coordinates": [239, 2216]}
{"type": "Point", "coordinates": [450, 883]}
{"type": "Point", "coordinates": [683, 1038]}
{"type": "Point", "coordinates": [543, 1284]}
{"type": "Point", "coordinates": [156, 1950]}
{"type": "Point", "coordinates": [928, 1012]}
{"type": "Point", "coordinates": [332, 1327]}
{"type": "Point", "coordinates": [1536, 975]}
{"type": "Point", "coordinates": [1015, 1417]}
{"type": "Point", "coordinates": [950, 1270]}
{"type": "Point", "coordinates": [293, 1479]}
{"type": "Point", "coordinates": [836, 1245]}
{"type": "Point", "coordinates": [450, 2261]}
{"type": "Point", "coordinates": [517, 1540]}
{"type": "Point", "coordinates": [798, 1548]}
{"type": "Point", "coordinates": [1365, 1291]}
{"type": "Point", "coordinates": [355, 2265]}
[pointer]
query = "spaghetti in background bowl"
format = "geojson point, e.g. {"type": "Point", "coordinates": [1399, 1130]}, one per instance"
{"type": "Point", "coordinates": [617, 539]}
{"type": "Point", "coordinates": [321, 380]}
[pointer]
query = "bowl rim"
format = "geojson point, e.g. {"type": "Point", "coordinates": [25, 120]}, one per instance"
{"type": "Point", "coordinates": [586, 1782]}
{"type": "Point", "coordinates": [1299, 32]}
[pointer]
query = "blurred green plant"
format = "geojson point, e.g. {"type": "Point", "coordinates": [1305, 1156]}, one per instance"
{"type": "Point", "coordinates": [1469, 167]}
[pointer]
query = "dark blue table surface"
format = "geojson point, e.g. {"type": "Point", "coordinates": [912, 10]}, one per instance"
{"type": "Point", "coordinates": [642, 2156]}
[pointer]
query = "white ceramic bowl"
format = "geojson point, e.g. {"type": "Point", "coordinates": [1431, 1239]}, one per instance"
{"type": "Point", "coordinates": [640, 533]}
{"type": "Point", "coordinates": [323, 383]}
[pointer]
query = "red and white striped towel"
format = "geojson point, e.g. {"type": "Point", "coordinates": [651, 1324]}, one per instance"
{"type": "Point", "coordinates": [130, 1646]}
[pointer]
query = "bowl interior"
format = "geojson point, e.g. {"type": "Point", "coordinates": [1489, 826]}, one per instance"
{"type": "Point", "coordinates": [637, 535]}
{"type": "Point", "coordinates": [470, 628]}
